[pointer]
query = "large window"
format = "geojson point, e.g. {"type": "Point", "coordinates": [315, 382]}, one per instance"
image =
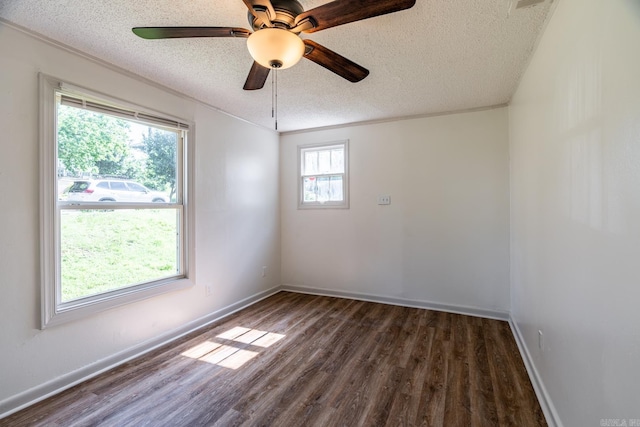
{"type": "Point", "coordinates": [114, 198]}
{"type": "Point", "coordinates": [323, 179]}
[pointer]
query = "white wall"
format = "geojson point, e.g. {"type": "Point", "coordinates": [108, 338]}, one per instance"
{"type": "Point", "coordinates": [237, 220]}
{"type": "Point", "coordinates": [575, 246]}
{"type": "Point", "coordinates": [443, 239]}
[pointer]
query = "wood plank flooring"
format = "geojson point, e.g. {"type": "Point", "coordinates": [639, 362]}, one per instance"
{"type": "Point", "coordinates": [303, 360]}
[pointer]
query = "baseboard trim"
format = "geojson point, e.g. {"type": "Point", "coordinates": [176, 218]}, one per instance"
{"type": "Point", "coordinates": [549, 410]}
{"type": "Point", "coordinates": [429, 305]}
{"type": "Point", "coordinates": [43, 391]}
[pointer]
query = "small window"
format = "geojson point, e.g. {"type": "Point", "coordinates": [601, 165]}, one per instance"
{"type": "Point", "coordinates": [114, 197]}
{"type": "Point", "coordinates": [323, 179]}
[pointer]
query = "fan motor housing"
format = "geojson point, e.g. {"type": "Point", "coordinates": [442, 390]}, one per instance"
{"type": "Point", "coordinates": [286, 13]}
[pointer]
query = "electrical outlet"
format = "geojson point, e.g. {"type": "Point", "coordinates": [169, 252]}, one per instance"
{"type": "Point", "coordinates": [384, 200]}
{"type": "Point", "coordinates": [540, 339]}
{"type": "Point", "coordinates": [208, 289]}
{"type": "Point", "coordinates": [264, 271]}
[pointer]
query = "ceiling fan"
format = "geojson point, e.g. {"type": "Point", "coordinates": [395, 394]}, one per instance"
{"type": "Point", "coordinates": [277, 24]}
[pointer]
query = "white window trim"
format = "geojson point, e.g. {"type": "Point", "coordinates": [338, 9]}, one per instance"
{"type": "Point", "coordinates": [345, 182]}
{"type": "Point", "coordinates": [53, 311]}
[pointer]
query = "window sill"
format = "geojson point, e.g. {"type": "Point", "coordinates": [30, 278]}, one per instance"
{"type": "Point", "coordinates": [78, 309]}
{"type": "Point", "coordinates": [327, 205]}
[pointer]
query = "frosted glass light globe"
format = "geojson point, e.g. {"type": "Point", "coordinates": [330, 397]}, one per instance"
{"type": "Point", "coordinates": [275, 48]}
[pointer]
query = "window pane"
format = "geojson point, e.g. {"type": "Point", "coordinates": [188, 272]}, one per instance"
{"type": "Point", "coordinates": [336, 189]}
{"type": "Point", "coordinates": [337, 161]}
{"type": "Point", "coordinates": [106, 250]}
{"type": "Point", "coordinates": [93, 146]}
{"type": "Point", "coordinates": [310, 163]}
{"type": "Point", "coordinates": [323, 188]}
{"type": "Point", "coordinates": [324, 161]}
{"type": "Point", "coordinates": [309, 189]}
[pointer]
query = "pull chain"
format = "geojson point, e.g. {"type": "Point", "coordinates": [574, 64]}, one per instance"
{"type": "Point", "coordinates": [274, 95]}
{"type": "Point", "coordinates": [274, 92]}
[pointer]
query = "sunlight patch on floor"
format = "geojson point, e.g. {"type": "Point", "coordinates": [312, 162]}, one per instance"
{"type": "Point", "coordinates": [228, 355]}
{"type": "Point", "coordinates": [201, 349]}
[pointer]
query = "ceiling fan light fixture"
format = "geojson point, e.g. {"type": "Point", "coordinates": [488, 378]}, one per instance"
{"type": "Point", "coordinates": [275, 48]}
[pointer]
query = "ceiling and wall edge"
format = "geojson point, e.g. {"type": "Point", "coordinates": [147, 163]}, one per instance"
{"type": "Point", "coordinates": [155, 84]}
{"type": "Point", "coordinates": [554, 5]}
{"type": "Point", "coordinates": [123, 71]}
{"type": "Point", "coordinates": [395, 119]}
{"type": "Point", "coordinates": [534, 49]}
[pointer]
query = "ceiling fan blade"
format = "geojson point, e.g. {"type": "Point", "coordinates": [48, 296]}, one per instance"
{"type": "Point", "coordinates": [152, 33]}
{"type": "Point", "coordinates": [334, 62]}
{"type": "Point", "coordinates": [257, 76]}
{"type": "Point", "coordinates": [341, 12]}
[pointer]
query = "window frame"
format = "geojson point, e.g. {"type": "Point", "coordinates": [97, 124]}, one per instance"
{"type": "Point", "coordinates": [344, 204]}
{"type": "Point", "coordinates": [53, 310]}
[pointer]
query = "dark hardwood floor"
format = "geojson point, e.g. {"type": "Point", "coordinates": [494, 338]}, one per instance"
{"type": "Point", "coordinates": [303, 360]}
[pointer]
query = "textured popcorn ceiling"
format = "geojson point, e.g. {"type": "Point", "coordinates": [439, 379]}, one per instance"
{"type": "Point", "coordinates": [439, 56]}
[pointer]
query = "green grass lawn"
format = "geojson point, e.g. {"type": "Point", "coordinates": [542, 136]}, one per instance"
{"type": "Point", "coordinates": [107, 250]}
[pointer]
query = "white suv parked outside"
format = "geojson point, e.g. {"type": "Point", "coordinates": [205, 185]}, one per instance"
{"type": "Point", "coordinates": [113, 190]}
